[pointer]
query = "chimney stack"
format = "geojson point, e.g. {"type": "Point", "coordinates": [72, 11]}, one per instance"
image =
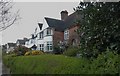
{"type": "Point", "coordinates": [64, 15]}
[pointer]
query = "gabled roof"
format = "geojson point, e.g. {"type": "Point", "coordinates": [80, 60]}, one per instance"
{"type": "Point", "coordinates": [59, 25]}
{"type": "Point", "coordinates": [11, 44]}
{"type": "Point", "coordinates": [40, 25]}
{"type": "Point", "coordinates": [72, 19]}
{"type": "Point", "coordinates": [21, 42]}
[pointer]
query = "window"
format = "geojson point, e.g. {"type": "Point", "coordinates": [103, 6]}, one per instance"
{"type": "Point", "coordinates": [32, 41]}
{"type": "Point", "coordinates": [66, 34]}
{"type": "Point", "coordinates": [41, 47]}
{"type": "Point", "coordinates": [49, 46]}
{"type": "Point", "coordinates": [49, 31]}
{"type": "Point", "coordinates": [41, 35]}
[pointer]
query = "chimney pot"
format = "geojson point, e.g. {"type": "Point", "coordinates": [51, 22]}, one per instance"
{"type": "Point", "coordinates": [64, 15]}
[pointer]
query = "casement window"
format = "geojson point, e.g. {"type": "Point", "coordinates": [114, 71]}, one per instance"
{"type": "Point", "coordinates": [49, 31]}
{"type": "Point", "coordinates": [32, 41]}
{"type": "Point", "coordinates": [41, 47]}
{"type": "Point", "coordinates": [41, 35]}
{"type": "Point", "coordinates": [66, 34]}
{"type": "Point", "coordinates": [49, 46]}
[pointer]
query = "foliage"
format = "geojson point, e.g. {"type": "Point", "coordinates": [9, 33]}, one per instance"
{"type": "Point", "coordinates": [21, 50]}
{"type": "Point", "coordinates": [27, 53]}
{"type": "Point", "coordinates": [11, 55]}
{"type": "Point", "coordinates": [57, 50]}
{"type": "Point", "coordinates": [99, 27]}
{"type": "Point", "coordinates": [105, 63]}
{"type": "Point", "coordinates": [7, 17]}
{"type": "Point", "coordinates": [35, 52]}
{"type": "Point", "coordinates": [71, 51]}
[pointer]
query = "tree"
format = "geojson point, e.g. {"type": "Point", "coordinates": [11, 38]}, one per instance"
{"type": "Point", "coordinates": [99, 28]}
{"type": "Point", "coordinates": [7, 18]}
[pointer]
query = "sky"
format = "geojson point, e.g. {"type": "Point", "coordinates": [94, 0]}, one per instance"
{"type": "Point", "coordinates": [31, 13]}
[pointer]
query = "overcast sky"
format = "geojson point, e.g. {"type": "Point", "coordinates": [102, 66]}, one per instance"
{"type": "Point", "coordinates": [32, 13]}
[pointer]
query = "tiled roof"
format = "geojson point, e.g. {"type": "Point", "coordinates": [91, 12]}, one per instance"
{"type": "Point", "coordinates": [72, 19]}
{"type": "Point", "coordinates": [60, 25]}
{"type": "Point", "coordinates": [11, 44]}
{"type": "Point", "coordinates": [22, 42]}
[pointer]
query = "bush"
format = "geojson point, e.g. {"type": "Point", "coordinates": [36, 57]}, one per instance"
{"type": "Point", "coordinates": [107, 62]}
{"type": "Point", "coordinates": [57, 50]}
{"type": "Point", "coordinates": [72, 51]}
{"type": "Point", "coordinates": [35, 52]}
{"type": "Point", "coordinates": [21, 50]}
{"type": "Point", "coordinates": [27, 53]}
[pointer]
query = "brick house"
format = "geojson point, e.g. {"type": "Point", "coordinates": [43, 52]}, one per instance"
{"type": "Point", "coordinates": [52, 32]}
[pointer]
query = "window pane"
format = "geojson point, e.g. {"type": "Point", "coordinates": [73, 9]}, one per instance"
{"type": "Point", "coordinates": [66, 34]}
{"type": "Point", "coordinates": [49, 31]}
{"type": "Point", "coordinates": [49, 45]}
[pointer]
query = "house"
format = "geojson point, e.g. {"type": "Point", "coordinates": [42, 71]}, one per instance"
{"type": "Point", "coordinates": [10, 47]}
{"type": "Point", "coordinates": [4, 48]}
{"type": "Point", "coordinates": [21, 42]}
{"type": "Point", "coordinates": [53, 32]}
{"type": "Point", "coordinates": [30, 43]}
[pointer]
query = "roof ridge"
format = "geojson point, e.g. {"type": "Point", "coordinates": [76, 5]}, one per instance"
{"type": "Point", "coordinates": [52, 18]}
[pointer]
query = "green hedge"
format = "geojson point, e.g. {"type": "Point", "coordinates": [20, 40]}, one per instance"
{"type": "Point", "coordinates": [106, 63]}
{"type": "Point", "coordinates": [71, 51]}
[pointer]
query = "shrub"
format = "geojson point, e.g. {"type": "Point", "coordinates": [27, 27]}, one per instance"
{"type": "Point", "coordinates": [35, 52]}
{"type": "Point", "coordinates": [21, 50]}
{"type": "Point", "coordinates": [27, 53]}
{"type": "Point", "coordinates": [105, 63]}
{"type": "Point", "coordinates": [57, 50]}
{"type": "Point", "coordinates": [72, 51]}
{"type": "Point", "coordinates": [10, 52]}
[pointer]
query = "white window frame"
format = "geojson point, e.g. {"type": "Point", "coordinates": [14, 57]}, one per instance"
{"type": "Point", "coordinates": [41, 47]}
{"type": "Point", "coordinates": [49, 46]}
{"type": "Point", "coordinates": [48, 31]}
{"type": "Point", "coordinates": [32, 41]}
{"type": "Point", "coordinates": [66, 34]}
{"type": "Point", "coordinates": [41, 35]}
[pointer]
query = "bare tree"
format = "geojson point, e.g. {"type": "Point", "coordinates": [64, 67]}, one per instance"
{"type": "Point", "coordinates": [7, 17]}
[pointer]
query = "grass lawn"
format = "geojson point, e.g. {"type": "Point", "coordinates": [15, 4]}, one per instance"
{"type": "Point", "coordinates": [51, 64]}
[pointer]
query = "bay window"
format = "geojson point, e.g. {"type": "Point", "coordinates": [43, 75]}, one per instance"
{"type": "Point", "coordinates": [49, 46]}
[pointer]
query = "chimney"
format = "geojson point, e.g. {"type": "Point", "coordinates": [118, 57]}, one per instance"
{"type": "Point", "coordinates": [64, 15]}
{"type": "Point", "coordinates": [25, 39]}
